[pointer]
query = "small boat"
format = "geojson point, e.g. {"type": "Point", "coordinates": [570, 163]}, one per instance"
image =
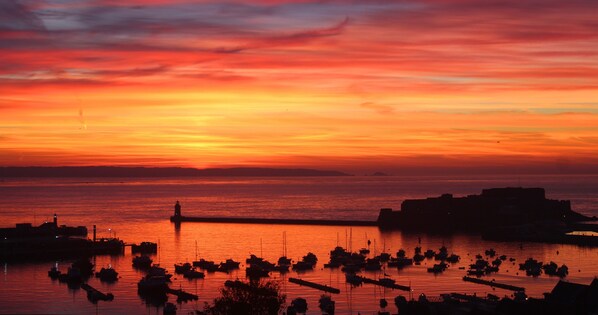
{"type": "Point", "coordinates": [326, 304]}
{"type": "Point", "coordinates": [158, 271]}
{"type": "Point", "coordinates": [383, 303]}
{"type": "Point", "coordinates": [231, 264]}
{"type": "Point", "coordinates": [438, 268]}
{"type": "Point", "coordinates": [351, 268]}
{"type": "Point", "coordinates": [225, 267]}
{"type": "Point", "coordinates": [372, 265]}
{"type": "Point", "coordinates": [253, 259]}
{"type": "Point", "coordinates": [303, 265]}
{"type": "Point", "coordinates": [490, 252]}
{"type": "Point", "coordinates": [182, 268]}
{"type": "Point", "coordinates": [256, 272]}
{"type": "Point", "coordinates": [142, 261]}
{"type": "Point", "coordinates": [193, 274]}
{"type": "Point", "coordinates": [169, 309]}
{"type": "Point", "coordinates": [283, 260]}
{"type": "Point", "coordinates": [144, 247]}
{"type": "Point", "coordinates": [153, 285]}
{"type": "Point", "coordinates": [281, 268]}
{"type": "Point", "coordinates": [107, 275]}
{"type": "Point", "coordinates": [404, 261]}
{"type": "Point", "coordinates": [53, 273]}
{"type": "Point", "coordinates": [299, 305]}
{"type": "Point", "coordinates": [310, 258]}
{"type": "Point", "coordinates": [387, 281]}
{"type": "Point", "coordinates": [207, 265]}
{"type": "Point", "coordinates": [353, 279]}
{"type": "Point", "coordinates": [384, 257]}
{"type": "Point", "coordinates": [332, 264]}
{"type": "Point", "coordinates": [562, 271]}
{"type": "Point", "coordinates": [364, 251]}
{"type": "Point", "coordinates": [453, 258]}
{"type": "Point", "coordinates": [429, 253]}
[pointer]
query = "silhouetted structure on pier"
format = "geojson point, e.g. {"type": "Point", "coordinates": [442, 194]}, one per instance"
{"type": "Point", "coordinates": [46, 229]}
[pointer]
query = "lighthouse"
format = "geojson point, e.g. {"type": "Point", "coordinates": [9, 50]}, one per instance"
{"type": "Point", "coordinates": [177, 209]}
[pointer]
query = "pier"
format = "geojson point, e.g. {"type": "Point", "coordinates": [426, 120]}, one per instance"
{"type": "Point", "coordinates": [386, 284]}
{"type": "Point", "coordinates": [94, 295]}
{"type": "Point", "coordinates": [314, 285]}
{"type": "Point", "coordinates": [182, 295]}
{"type": "Point", "coordinates": [493, 284]}
{"type": "Point", "coordinates": [180, 219]}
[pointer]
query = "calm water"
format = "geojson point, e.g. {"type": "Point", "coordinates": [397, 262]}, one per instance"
{"type": "Point", "coordinates": [138, 209]}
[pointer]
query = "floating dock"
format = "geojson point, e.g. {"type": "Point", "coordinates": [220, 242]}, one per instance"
{"type": "Point", "coordinates": [493, 284]}
{"type": "Point", "coordinates": [179, 219]}
{"type": "Point", "coordinates": [182, 295]}
{"type": "Point", "coordinates": [385, 284]}
{"type": "Point", "coordinates": [95, 295]}
{"type": "Point", "coordinates": [314, 285]}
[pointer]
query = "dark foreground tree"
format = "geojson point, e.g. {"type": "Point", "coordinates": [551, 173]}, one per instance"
{"type": "Point", "coordinates": [248, 298]}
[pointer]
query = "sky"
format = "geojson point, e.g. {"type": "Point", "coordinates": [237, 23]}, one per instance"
{"type": "Point", "coordinates": [435, 86]}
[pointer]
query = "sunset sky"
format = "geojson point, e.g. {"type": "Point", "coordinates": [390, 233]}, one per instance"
{"type": "Point", "coordinates": [358, 86]}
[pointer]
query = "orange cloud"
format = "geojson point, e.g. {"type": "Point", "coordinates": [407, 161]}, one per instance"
{"type": "Point", "coordinates": [413, 84]}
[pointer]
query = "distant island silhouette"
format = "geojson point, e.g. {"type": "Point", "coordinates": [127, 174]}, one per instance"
{"type": "Point", "coordinates": [379, 174]}
{"type": "Point", "coordinates": [123, 171]}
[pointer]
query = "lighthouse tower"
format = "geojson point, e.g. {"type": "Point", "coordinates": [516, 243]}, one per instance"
{"type": "Point", "coordinates": [177, 209]}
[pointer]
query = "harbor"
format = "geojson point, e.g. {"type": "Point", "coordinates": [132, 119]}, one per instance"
{"type": "Point", "coordinates": [177, 244]}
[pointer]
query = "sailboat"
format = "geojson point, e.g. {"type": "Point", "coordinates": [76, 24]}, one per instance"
{"type": "Point", "coordinates": [365, 250]}
{"type": "Point", "coordinates": [283, 260]}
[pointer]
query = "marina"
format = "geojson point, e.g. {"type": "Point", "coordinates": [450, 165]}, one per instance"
{"type": "Point", "coordinates": [218, 242]}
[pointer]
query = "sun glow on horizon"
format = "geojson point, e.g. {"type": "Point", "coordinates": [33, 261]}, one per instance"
{"type": "Point", "coordinates": [417, 84]}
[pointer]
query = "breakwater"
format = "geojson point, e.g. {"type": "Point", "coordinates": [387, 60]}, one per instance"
{"type": "Point", "coordinates": [179, 219]}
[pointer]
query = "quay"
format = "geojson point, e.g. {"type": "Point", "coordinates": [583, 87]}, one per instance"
{"type": "Point", "coordinates": [493, 284]}
{"type": "Point", "coordinates": [314, 285]}
{"type": "Point", "coordinates": [386, 284]}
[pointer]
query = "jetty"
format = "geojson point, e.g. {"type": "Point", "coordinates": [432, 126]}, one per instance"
{"type": "Point", "coordinates": [314, 285]}
{"type": "Point", "coordinates": [95, 295]}
{"type": "Point", "coordinates": [182, 295]}
{"type": "Point", "coordinates": [493, 284]}
{"type": "Point", "coordinates": [386, 284]}
{"type": "Point", "coordinates": [179, 219]}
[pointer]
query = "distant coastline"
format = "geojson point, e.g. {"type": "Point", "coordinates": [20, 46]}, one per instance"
{"type": "Point", "coordinates": [120, 171]}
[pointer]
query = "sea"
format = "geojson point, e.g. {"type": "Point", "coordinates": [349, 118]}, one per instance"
{"type": "Point", "coordinates": [138, 209]}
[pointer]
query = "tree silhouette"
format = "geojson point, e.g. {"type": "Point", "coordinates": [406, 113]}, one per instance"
{"type": "Point", "coordinates": [248, 298]}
